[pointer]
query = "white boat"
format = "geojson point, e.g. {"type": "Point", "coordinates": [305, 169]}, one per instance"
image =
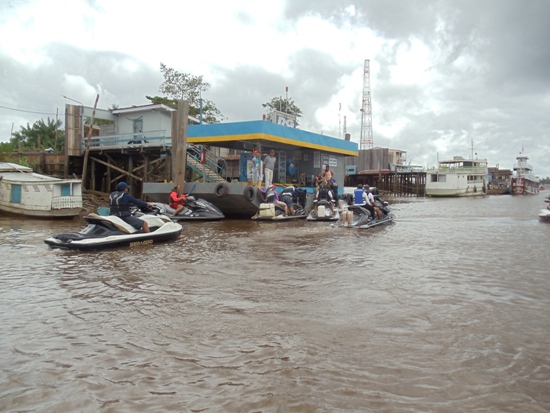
{"type": "Point", "coordinates": [24, 192]}
{"type": "Point", "coordinates": [458, 177]}
{"type": "Point", "coordinates": [523, 181]}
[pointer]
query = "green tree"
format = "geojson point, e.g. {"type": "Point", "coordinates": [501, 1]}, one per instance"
{"type": "Point", "coordinates": [284, 105]}
{"type": "Point", "coordinates": [40, 136]}
{"type": "Point", "coordinates": [185, 86]}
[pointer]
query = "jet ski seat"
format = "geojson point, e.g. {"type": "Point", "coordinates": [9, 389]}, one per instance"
{"type": "Point", "coordinates": [116, 221]}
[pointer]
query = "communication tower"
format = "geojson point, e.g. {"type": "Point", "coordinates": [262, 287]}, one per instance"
{"type": "Point", "coordinates": [366, 111]}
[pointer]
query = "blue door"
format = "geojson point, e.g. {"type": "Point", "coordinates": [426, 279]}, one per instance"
{"type": "Point", "coordinates": [15, 193]}
{"type": "Point", "coordinates": [66, 190]}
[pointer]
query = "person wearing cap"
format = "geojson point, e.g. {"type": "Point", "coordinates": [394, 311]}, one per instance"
{"type": "Point", "coordinates": [119, 203]}
{"type": "Point", "coordinates": [272, 197]}
{"type": "Point", "coordinates": [269, 166]}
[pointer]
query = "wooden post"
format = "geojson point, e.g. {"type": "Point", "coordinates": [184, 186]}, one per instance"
{"type": "Point", "coordinates": [180, 135]}
{"type": "Point", "coordinates": [86, 154]}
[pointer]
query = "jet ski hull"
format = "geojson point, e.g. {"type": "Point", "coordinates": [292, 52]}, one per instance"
{"type": "Point", "coordinates": [101, 233]}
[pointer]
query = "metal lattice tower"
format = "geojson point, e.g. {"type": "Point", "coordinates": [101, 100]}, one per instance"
{"type": "Point", "coordinates": [366, 111]}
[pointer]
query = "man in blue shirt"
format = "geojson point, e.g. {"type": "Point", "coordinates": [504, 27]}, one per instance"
{"type": "Point", "coordinates": [120, 201]}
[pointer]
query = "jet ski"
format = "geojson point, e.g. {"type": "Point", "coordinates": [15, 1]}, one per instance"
{"type": "Point", "coordinates": [544, 214]}
{"type": "Point", "coordinates": [111, 231]}
{"type": "Point", "coordinates": [270, 211]}
{"type": "Point", "coordinates": [362, 217]}
{"type": "Point", "coordinates": [194, 210]}
{"type": "Point", "coordinates": [275, 213]}
{"type": "Point", "coordinates": [323, 212]}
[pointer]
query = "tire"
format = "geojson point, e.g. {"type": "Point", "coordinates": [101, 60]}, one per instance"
{"type": "Point", "coordinates": [221, 189]}
{"type": "Point", "coordinates": [250, 193]}
{"type": "Point", "coordinates": [261, 196]}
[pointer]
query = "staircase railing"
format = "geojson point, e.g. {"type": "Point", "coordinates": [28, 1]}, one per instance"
{"type": "Point", "coordinates": [205, 162]}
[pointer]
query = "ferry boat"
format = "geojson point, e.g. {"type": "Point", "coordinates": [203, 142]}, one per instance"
{"type": "Point", "coordinates": [523, 181]}
{"type": "Point", "coordinates": [24, 192]}
{"type": "Point", "coordinates": [457, 177]}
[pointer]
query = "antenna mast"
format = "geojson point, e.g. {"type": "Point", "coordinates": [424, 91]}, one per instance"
{"type": "Point", "coordinates": [366, 111]}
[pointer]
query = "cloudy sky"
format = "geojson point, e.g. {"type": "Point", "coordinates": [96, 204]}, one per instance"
{"type": "Point", "coordinates": [443, 73]}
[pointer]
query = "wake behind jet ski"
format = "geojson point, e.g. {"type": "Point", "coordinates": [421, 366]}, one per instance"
{"type": "Point", "coordinates": [111, 231]}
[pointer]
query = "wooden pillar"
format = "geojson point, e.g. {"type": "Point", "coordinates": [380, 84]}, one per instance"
{"type": "Point", "coordinates": [180, 154]}
{"type": "Point", "coordinates": [92, 175]}
{"type": "Point", "coordinates": [146, 168]}
{"type": "Point", "coordinates": [129, 179]}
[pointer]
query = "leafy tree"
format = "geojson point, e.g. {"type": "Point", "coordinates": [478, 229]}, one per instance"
{"type": "Point", "coordinates": [284, 105]}
{"type": "Point", "coordinates": [40, 136]}
{"type": "Point", "coordinates": [185, 86]}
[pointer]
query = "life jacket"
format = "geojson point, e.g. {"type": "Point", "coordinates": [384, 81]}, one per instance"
{"type": "Point", "coordinates": [324, 194]}
{"type": "Point", "coordinates": [116, 206]}
{"type": "Point", "coordinates": [358, 196]}
{"type": "Point", "coordinates": [288, 191]}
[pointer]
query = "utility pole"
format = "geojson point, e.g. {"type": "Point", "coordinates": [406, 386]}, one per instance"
{"type": "Point", "coordinates": [87, 153]}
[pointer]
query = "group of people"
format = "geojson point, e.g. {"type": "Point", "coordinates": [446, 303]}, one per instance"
{"type": "Point", "coordinates": [364, 198]}
{"type": "Point", "coordinates": [120, 202]}
{"type": "Point", "coordinates": [267, 168]}
{"type": "Point", "coordinates": [286, 201]}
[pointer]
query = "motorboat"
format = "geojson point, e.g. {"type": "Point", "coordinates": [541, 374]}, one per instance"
{"type": "Point", "coordinates": [323, 212]}
{"type": "Point", "coordinates": [110, 231]}
{"type": "Point", "coordinates": [24, 192]}
{"type": "Point", "coordinates": [275, 213]}
{"type": "Point", "coordinates": [524, 181]}
{"type": "Point", "coordinates": [362, 216]}
{"type": "Point", "coordinates": [194, 210]}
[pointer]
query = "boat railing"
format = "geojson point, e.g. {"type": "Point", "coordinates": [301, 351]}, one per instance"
{"type": "Point", "coordinates": [523, 165]}
{"type": "Point", "coordinates": [62, 202]}
{"type": "Point", "coordinates": [153, 138]}
{"type": "Point", "coordinates": [477, 170]}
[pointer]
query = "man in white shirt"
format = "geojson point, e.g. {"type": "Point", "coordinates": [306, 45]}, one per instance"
{"type": "Point", "coordinates": [269, 166]}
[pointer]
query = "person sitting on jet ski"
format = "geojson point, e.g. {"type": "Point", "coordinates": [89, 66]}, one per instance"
{"type": "Point", "coordinates": [177, 200]}
{"type": "Point", "coordinates": [286, 197]}
{"type": "Point", "coordinates": [272, 197]}
{"type": "Point", "coordinates": [324, 194]}
{"type": "Point", "coordinates": [371, 204]}
{"type": "Point", "coordinates": [120, 201]}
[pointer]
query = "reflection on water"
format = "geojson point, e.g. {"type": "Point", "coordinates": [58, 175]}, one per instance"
{"type": "Point", "coordinates": [446, 310]}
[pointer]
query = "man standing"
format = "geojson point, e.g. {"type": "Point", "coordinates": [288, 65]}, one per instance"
{"type": "Point", "coordinates": [119, 202]}
{"type": "Point", "coordinates": [269, 166]}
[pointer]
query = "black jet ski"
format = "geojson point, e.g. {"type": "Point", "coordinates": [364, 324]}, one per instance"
{"type": "Point", "coordinates": [111, 231]}
{"type": "Point", "coordinates": [194, 210]}
{"type": "Point", "coordinates": [362, 217]}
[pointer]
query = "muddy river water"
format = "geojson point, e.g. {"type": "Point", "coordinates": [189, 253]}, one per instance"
{"type": "Point", "coordinates": [446, 310]}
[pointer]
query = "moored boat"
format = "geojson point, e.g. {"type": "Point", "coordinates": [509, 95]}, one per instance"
{"type": "Point", "coordinates": [24, 192]}
{"type": "Point", "coordinates": [524, 181]}
{"type": "Point", "coordinates": [457, 177]}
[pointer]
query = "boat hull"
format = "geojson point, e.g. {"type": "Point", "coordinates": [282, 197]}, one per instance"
{"type": "Point", "coordinates": [524, 186]}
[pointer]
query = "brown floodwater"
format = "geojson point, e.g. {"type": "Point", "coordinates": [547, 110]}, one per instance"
{"type": "Point", "coordinates": [446, 310]}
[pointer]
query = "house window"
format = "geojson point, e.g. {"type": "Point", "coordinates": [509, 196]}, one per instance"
{"type": "Point", "coordinates": [138, 125]}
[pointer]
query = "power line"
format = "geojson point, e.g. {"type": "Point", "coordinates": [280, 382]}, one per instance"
{"type": "Point", "coordinates": [29, 111]}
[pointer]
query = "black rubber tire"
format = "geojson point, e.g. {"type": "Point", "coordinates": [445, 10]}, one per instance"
{"type": "Point", "coordinates": [221, 189]}
{"type": "Point", "coordinates": [250, 193]}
